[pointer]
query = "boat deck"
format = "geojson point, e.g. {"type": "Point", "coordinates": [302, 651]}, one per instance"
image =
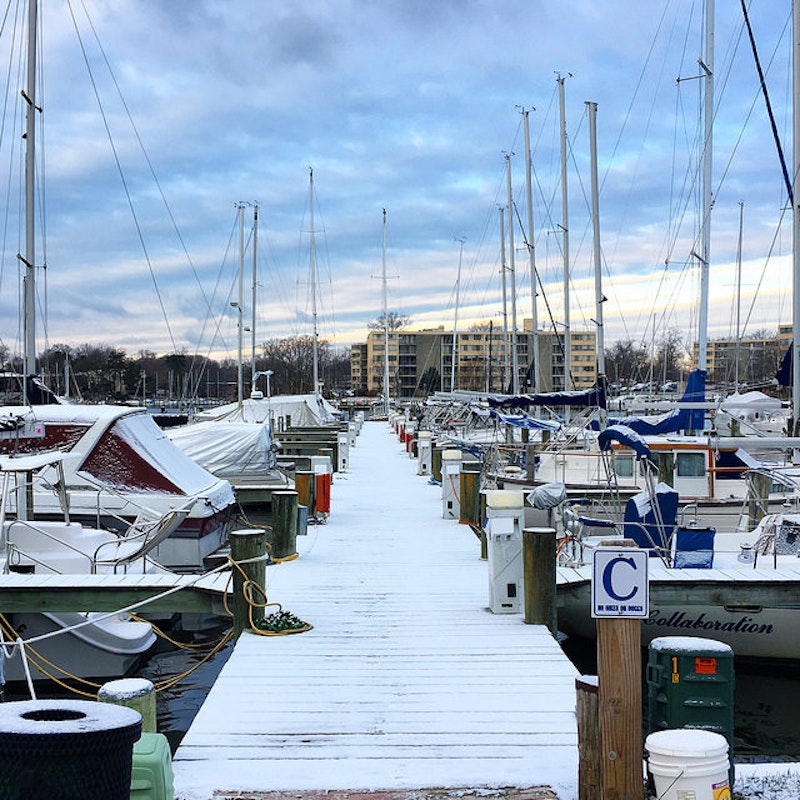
{"type": "Point", "coordinates": [406, 681]}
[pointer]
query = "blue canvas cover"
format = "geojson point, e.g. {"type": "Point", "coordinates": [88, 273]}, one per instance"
{"type": "Point", "coordinates": [641, 523]}
{"type": "Point", "coordinates": [694, 547]}
{"type": "Point", "coordinates": [681, 419]}
{"type": "Point", "coordinates": [595, 396]}
{"type": "Point", "coordinates": [627, 436]}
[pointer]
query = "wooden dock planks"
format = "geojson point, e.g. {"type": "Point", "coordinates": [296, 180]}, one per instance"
{"type": "Point", "coordinates": [406, 680]}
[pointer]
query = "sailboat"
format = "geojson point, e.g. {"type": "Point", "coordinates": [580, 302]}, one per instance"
{"type": "Point", "coordinates": [739, 587]}
{"type": "Point", "coordinates": [91, 466]}
{"type": "Point", "coordinates": [127, 465]}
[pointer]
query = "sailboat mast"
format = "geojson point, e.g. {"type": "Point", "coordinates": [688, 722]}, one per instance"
{"type": "Point", "coordinates": [598, 275]}
{"type": "Point", "coordinates": [513, 271]}
{"type": "Point", "coordinates": [29, 282]}
{"type": "Point", "coordinates": [506, 378]}
{"type": "Point", "coordinates": [707, 65]}
{"type": "Point", "coordinates": [738, 297]}
{"type": "Point", "coordinates": [796, 228]}
{"type": "Point", "coordinates": [239, 308]}
{"type": "Point", "coordinates": [254, 299]}
{"type": "Point", "coordinates": [531, 251]}
{"type": "Point", "coordinates": [385, 311]}
{"type": "Point", "coordinates": [314, 338]}
{"type": "Point", "coordinates": [565, 229]}
{"type": "Point", "coordinates": [455, 319]}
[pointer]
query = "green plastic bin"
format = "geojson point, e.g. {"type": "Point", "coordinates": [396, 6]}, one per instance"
{"type": "Point", "coordinates": [151, 775]}
{"type": "Point", "coordinates": [690, 684]}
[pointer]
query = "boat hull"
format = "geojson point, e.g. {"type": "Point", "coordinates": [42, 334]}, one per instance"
{"type": "Point", "coordinates": [106, 649]}
{"type": "Point", "coordinates": [752, 630]}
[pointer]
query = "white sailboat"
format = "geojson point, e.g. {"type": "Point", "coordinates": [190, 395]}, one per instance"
{"type": "Point", "coordinates": [739, 588]}
{"type": "Point", "coordinates": [118, 455]}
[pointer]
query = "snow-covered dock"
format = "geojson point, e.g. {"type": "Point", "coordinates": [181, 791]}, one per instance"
{"type": "Point", "coordinates": [406, 681]}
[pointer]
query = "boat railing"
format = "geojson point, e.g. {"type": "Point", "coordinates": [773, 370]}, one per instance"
{"type": "Point", "coordinates": [15, 553]}
{"type": "Point", "coordinates": [146, 532]}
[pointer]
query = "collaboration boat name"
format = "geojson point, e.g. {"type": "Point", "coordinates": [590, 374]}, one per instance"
{"type": "Point", "coordinates": [704, 622]}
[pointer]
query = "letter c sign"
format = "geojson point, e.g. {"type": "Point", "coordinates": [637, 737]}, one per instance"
{"type": "Point", "coordinates": [620, 582]}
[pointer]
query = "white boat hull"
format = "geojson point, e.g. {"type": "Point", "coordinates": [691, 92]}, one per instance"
{"type": "Point", "coordinates": [105, 649]}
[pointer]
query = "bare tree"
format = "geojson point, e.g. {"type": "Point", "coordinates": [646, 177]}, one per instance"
{"type": "Point", "coordinates": [394, 319]}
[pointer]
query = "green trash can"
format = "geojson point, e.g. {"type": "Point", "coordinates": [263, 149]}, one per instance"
{"type": "Point", "coordinates": [690, 684]}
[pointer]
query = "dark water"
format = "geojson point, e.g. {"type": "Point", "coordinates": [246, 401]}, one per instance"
{"type": "Point", "coordinates": [177, 706]}
{"type": "Point", "coordinates": [766, 721]}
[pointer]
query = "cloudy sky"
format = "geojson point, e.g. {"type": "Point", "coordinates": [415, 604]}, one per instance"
{"type": "Point", "coordinates": [159, 116]}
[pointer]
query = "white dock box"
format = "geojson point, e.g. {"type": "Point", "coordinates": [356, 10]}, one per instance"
{"type": "Point", "coordinates": [451, 484]}
{"type": "Point", "coordinates": [505, 511]}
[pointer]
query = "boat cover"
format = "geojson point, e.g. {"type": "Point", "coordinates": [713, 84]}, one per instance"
{"type": "Point", "coordinates": [587, 398]}
{"type": "Point", "coordinates": [524, 421]}
{"type": "Point", "coordinates": [231, 450]}
{"type": "Point", "coordinates": [303, 410]}
{"type": "Point", "coordinates": [548, 495]}
{"type": "Point", "coordinates": [649, 526]}
{"type": "Point", "coordinates": [627, 436]}
{"type": "Point", "coordinates": [681, 419]}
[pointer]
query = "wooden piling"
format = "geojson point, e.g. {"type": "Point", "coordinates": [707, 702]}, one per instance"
{"type": "Point", "coordinates": [436, 463]}
{"type": "Point", "coordinates": [304, 485]}
{"type": "Point", "coordinates": [284, 524]}
{"type": "Point", "coordinates": [530, 462]}
{"type": "Point", "coordinates": [469, 493]}
{"type": "Point", "coordinates": [247, 544]}
{"type": "Point", "coordinates": [619, 667]}
{"type": "Point", "coordinates": [136, 693]}
{"type": "Point", "coordinates": [586, 708]}
{"type": "Point", "coordinates": [539, 576]}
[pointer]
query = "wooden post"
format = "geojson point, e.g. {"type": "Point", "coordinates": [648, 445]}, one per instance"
{"type": "Point", "coordinates": [246, 544]}
{"type": "Point", "coordinates": [469, 492]}
{"type": "Point", "coordinates": [304, 484]}
{"type": "Point", "coordinates": [484, 540]}
{"type": "Point", "coordinates": [759, 497]}
{"type": "Point", "coordinates": [136, 693]}
{"type": "Point", "coordinates": [588, 738]}
{"type": "Point", "coordinates": [539, 576]}
{"type": "Point", "coordinates": [619, 668]}
{"type": "Point", "coordinates": [530, 461]}
{"type": "Point", "coordinates": [436, 463]}
{"type": "Point", "coordinates": [284, 524]}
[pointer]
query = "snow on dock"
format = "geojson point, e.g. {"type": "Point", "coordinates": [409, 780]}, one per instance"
{"type": "Point", "coordinates": [406, 681]}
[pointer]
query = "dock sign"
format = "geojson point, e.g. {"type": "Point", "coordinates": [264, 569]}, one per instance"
{"type": "Point", "coordinates": [619, 582]}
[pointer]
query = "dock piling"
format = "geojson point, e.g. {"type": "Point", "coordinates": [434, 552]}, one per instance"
{"type": "Point", "coordinates": [247, 544]}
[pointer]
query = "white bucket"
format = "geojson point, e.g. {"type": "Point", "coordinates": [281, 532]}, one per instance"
{"type": "Point", "coordinates": [689, 764]}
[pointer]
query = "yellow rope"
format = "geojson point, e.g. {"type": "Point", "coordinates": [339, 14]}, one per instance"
{"type": "Point", "coordinates": [249, 586]}
{"type": "Point", "coordinates": [163, 635]}
{"type": "Point", "coordinates": [170, 682]}
{"type": "Point", "coordinates": [250, 590]}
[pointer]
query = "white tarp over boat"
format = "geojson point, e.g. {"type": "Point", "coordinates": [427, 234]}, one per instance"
{"type": "Point", "coordinates": [232, 450]}
{"type": "Point", "coordinates": [751, 405]}
{"type": "Point", "coordinates": [298, 410]}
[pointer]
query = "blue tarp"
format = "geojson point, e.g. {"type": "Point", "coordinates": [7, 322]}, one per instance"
{"type": "Point", "coordinates": [784, 373]}
{"type": "Point", "coordinates": [522, 421]}
{"type": "Point", "coordinates": [641, 522]}
{"type": "Point", "coordinates": [681, 419]}
{"type": "Point", "coordinates": [594, 397]}
{"type": "Point", "coordinates": [624, 435]}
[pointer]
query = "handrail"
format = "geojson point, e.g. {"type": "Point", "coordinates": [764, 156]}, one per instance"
{"type": "Point", "coordinates": [34, 527]}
